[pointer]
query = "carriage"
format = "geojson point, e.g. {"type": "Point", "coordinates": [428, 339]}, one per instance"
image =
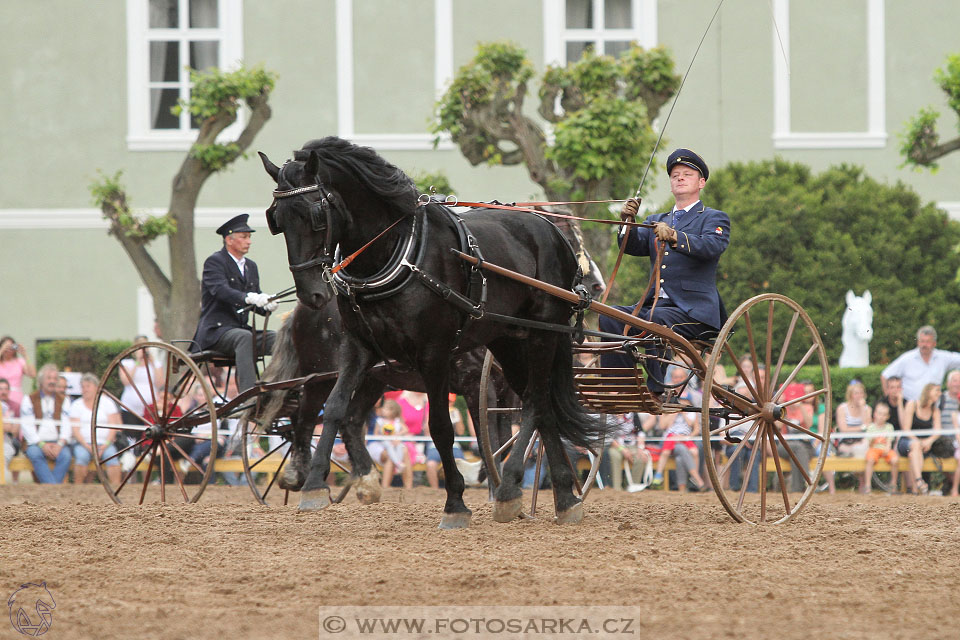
{"type": "Point", "coordinates": [507, 283]}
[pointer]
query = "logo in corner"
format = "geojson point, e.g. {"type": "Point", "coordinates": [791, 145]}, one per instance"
{"type": "Point", "coordinates": [31, 608]}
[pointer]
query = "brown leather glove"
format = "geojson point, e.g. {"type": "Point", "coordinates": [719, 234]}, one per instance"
{"type": "Point", "coordinates": [665, 233]}
{"type": "Point", "coordinates": [629, 211]}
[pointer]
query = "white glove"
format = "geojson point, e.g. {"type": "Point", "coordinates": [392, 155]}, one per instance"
{"type": "Point", "coordinates": [259, 299]}
{"type": "Point", "coordinates": [271, 305]}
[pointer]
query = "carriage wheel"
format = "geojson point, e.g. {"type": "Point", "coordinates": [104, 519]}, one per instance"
{"type": "Point", "coordinates": [157, 457]}
{"type": "Point", "coordinates": [493, 459]}
{"type": "Point", "coordinates": [768, 438]}
{"type": "Point", "coordinates": [265, 452]}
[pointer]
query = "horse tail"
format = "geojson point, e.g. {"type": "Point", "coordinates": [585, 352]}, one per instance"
{"type": "Point", "coordinates": [284, 365]}
{"type": "Point", "coordinates": [574, 423]}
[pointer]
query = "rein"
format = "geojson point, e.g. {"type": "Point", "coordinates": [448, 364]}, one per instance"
{"type": "Point", "coordinates": [516, 206]}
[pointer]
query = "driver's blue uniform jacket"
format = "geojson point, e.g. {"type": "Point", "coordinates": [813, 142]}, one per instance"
{"type": "Point", "coordinates": [688, 273]}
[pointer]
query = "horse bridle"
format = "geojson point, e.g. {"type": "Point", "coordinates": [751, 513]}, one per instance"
{"type": "Point", "coordinates": [321, 219]}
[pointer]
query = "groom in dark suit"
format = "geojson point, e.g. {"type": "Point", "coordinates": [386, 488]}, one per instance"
{"type": "Point", "coordinates": [231, 282]}
{"type": "Point", "coordinates": [696, 236]}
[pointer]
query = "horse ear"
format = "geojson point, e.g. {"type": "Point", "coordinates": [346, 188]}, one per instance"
{"type": "Point", "coordinates": [850, 297]}
{"type": "Point", "coordinates": [867, 296]}
{"type": "Point", "coordinates": [271, 168]}
{"type": "Point", "coordinates": [312, 167]}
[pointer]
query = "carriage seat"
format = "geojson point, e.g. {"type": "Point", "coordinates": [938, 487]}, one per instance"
{"type": "Point", "coordinates": [215, 358]}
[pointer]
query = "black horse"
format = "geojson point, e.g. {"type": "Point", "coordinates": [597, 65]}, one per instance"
{"type": "Point", "coordinates": [408, 298]}
{"type": "Point", "coordinates": [309, 341]}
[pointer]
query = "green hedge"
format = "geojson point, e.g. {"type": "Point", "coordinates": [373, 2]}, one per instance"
{"type": "Point", "coordinates": [83, 356]}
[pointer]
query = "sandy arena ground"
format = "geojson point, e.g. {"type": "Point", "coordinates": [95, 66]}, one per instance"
{"type": "Point", "coordinates": [851, 567]}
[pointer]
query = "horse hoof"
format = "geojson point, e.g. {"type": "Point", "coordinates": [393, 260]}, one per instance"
{"type": "Point", "coordinates": [368, 488]}
{"type": "Point", "coordinates": [573, 515]}
{"type": "Point", "coordinates": [459, 520]}
{"type": "Point", "coordinates": [508, 510]}
{"type": "Point", "coordinates": [290, 480]}
{"type": "Point", "coordinates": [314, 500]}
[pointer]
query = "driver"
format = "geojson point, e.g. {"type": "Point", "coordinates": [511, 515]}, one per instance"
{"type": "Point", "coordinates": [688, 301]}
{"type": "Point", "coordinates": [231, 282]}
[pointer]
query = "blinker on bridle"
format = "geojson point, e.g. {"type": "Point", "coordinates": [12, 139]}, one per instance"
{"type": "Point", "coordinates": [321, 218]}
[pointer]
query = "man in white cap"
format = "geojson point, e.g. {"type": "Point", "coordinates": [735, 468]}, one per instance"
{"type": "Point", "coordinates": [231, 284]}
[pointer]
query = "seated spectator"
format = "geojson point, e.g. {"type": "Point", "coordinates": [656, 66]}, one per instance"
{"type": "Point", "coordinates": [852, 417]}
{"type": "Point", "coordinates": [678, 425]}
{"type": "Point", "coordinates": [920, 415]}
{"type": "Point", "coordinates": [11, 427]}
{"type": "Point", "coordinates": [393, 455]}
{"type": "Point", "coordinates": [801, 413]}
{"type": "Point", "coordinates": [81, 413]}
{"type": "Point", "coordinates": [881, 446]}
{"type": "Point", "coordinates": [949, 403]}
{"type": "Point", "coordinates": [14, 366]}
{"type": "Point", "coordinates": [628, 447]}
{"type": "Point", "coordinates": [416, 416]}
{"type": "Point", "coordinates": [46, 429]}
{"type": "Point", "coordinates": [432, 455]}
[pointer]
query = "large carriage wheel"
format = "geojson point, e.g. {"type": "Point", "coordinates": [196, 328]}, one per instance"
{"type": "Point", "coordinates": [265, 452]}
{"type": "Point", "coordinates": [780, 337]}
{"type": "Point", "coordinates": [162, 450]}
{"type": "Point", "coordinates": [493, 459]}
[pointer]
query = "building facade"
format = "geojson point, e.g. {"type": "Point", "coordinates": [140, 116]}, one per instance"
{"type": "Point", "coordinates": [88, 87]}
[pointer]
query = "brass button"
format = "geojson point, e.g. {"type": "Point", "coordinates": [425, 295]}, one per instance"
{"type": "Point", "coordinates": [666, 253]}
{"type": "Point", "coordinates": [661, 279]}
{"type": "Point", "coordinates": [663, 266]}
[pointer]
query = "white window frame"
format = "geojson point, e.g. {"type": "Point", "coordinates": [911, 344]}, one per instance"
{"type": "Point", "coordinates": [556, 35]}
{"type": "Point", "coordinates": [875, 137]}
{"type": "Point", "coordinates": [140, 135]}
{"type": "Point", "coordinates": [442, 76]}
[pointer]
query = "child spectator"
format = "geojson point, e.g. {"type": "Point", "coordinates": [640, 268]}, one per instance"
{"type": "Point", "coordinates": [393, 455]}
{"type": "Point", "coordinates": [881, 446]}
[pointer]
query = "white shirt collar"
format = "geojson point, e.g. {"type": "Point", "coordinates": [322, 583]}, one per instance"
{"type": "Point", "coordinates": [687, 209]}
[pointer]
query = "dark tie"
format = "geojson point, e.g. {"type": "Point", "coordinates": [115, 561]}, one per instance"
{"type": "Point", "coordinates": [676, 217]}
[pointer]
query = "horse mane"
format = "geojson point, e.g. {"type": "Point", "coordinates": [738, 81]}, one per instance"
{"type": "Point", "coordinates": [366, 165]}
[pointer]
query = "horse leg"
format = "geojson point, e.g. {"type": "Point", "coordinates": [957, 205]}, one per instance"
{"type": "Point", "coordinates": [507, 499]}
{"type": "Point", "coordinates": [456, 515]}
{"type": "Point", "coordinates": [295, 471]}
{"type": "Point", "coordinates": [357, 360]}
{"type": "Point", "coordinates": [362, 472]}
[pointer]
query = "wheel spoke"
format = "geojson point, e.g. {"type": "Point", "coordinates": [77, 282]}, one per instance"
{"type": "Point", "coordinates": [507, 444]}
{"type": "Point", "coordinates": [783, 350]}
{"type": "Point", "coordinates": [121, 452]}
{"type": "Point", "coordinates": [136, 464]}
{"type": "Point", "coordinates": [738, 448]}
{"type": "Point", "coordinates": [146, 481]}
{"type": "Point", "coordinates": [190, 461]}
{"type": "Point", "coordinates": [753, 355]}
{"type": "Point", "coordinates": [734, 424]}
{"type": "Point", "coordinates": [745, 477]}
{"type": "Point", "coordinates": [270, 453]}
{"type": "Point", "coordinates": [536, 480]}
{"type": "Point", "coordinates": [802, 398]}
{"type": "Point", "coordinates": [164, 461]}
{"type": "Point", "coordinates": [766, 385]}
{"type": "Point", "coordinates": [794, 425]}
{"type": "Point", "coordinates": [135, 388]}
{"type": "Point", "coordinates": [796, 370]}
{"type": "Point", "coordinates": [763, 473]}
{"type": "Point", "coordinates": [776, 461]}
{"type": "Point", "coordinates": [110, 395]}
{"type": "Point", "coordinates": [176, 472]}
{"type": "Point", "coordinates": [276, 475]}
{"type": "Point", "coordinates": [793, 457]}
{"type": "Point", "coordinates": [740, 372]}
{"type": "Point", "coordinates": [735, 398]}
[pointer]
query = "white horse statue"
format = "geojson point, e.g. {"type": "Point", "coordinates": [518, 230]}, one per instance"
{"type": "Point", "coordinates": [857, 330]}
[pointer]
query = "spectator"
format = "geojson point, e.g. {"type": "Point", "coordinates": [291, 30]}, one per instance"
{"type": "Point", "coordinates": [45, 428]}
{"type": "Point", "coordinates": [14, 366]}
{"type": "Point", "coordinates": [924, 365]}
{"type": "Point", "coordinates": [949, 400]}
{"type": "Point", "coordinates": [415, 411]}
{"type": "Point", "coordinates": [11, 427]}
{"type": "Point", "coordinates": [801, 413]}
{"type": "Point", "coordinates": [880, 446]}
{"type": "Point", "coordinates": [81, 412]}
{"type": "Point", "coordinates": [893, 396]}
{"type": "Point", "coordinates": [922, 414]}
{"type": "Point", "coordinates": [433, 456]}
{"type": "Point", "coordinates": [627, 447]}
{"type": "Point", "coordinates": [393, 455]}
{"type": "Point", "coordinates": [139, 375]}
{"type": "Point", "coordinates": [852, 417]}
{"type": "Point", "coordinates": [682, 424]}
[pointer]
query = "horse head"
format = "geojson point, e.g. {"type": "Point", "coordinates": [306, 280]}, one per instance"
{"type": "Point", "coordinates": [858, 317]}
{"type": "Point", "coordinates": [315, 204]}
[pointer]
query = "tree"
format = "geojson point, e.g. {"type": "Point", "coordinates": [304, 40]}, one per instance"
{"type": "Point", "coordinates": [812, 237]}
{"type": "Point", "coordinates": [600, 109]}
{"type": "Point", "coordinates": [921, 146]}
{"type": "Point", "coordinates": [215, 99]}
